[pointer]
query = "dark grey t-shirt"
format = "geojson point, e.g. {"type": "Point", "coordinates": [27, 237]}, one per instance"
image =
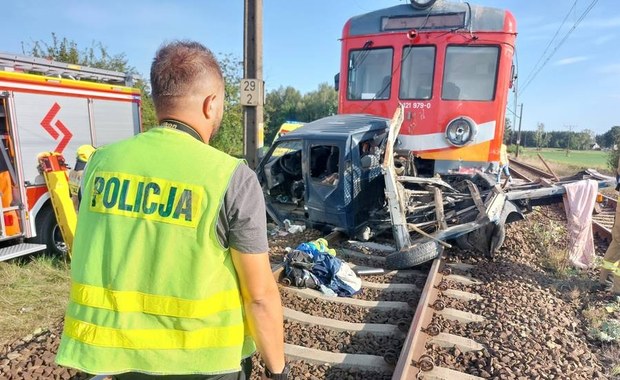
{"type": "Point", "coordinates": [242, 222]}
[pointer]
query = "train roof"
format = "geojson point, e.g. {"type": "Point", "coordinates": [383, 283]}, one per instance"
{"type": "Point", "coordinates": [479, 17]}
{"type": "Point", "coordinates": [339, 126]}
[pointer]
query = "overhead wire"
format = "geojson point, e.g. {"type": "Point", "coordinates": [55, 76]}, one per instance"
{"type": "Point", "coordinates": [551, 41]}
{"type": "Point", "coordinates": [575, 25]}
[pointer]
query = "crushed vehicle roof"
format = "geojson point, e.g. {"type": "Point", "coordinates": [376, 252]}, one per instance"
{"type": "Point", "coordinates": [339, 126]}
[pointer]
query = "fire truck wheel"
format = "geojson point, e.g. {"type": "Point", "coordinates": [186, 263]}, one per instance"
{"type": "Point", "coordinates": [417, 254]}
{"type": "Point", "coordinates": [48, 232]}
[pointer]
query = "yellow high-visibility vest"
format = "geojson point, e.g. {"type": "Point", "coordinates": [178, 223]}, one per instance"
{"type": "Point", "coordinates": [153, 290]}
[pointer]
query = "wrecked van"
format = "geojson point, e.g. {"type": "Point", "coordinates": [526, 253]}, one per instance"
{"type": "Point", "coordinates": [346, 173]}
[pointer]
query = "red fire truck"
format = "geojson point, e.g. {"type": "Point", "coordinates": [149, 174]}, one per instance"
{"type": "Point", "coordinates": [65, 107]}
{"type": "Point", "coordinates": [449, 64]}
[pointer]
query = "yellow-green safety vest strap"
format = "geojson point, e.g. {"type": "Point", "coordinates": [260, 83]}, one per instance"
{"type": "Point", "coordinates": [132, 302]}
{"type": "Point", "coordinates": [167, 339]}
{"type": "Point", "coordinates": [609, 265]}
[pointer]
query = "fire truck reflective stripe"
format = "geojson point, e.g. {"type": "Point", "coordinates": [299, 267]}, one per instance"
{"type": "Point", "coordinates": [433, 141]}
{"type": "Point", "coordinates": [137, 302]}
{"type": "Point", "coordinates": [65, 91]}
{"type": "Point", "coordinates": [155, 339]}
{"type": "Point", "coordinates": [148, 198]}
{"type": "Point", "coordinates": [609, 265]}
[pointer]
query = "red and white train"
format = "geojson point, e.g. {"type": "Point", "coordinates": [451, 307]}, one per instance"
{"type": "Point", "coordinates": [449, 64]}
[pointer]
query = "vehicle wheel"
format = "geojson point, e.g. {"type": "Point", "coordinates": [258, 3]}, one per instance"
{"type": "Point", "coordinates": [48, 232]}
{"type": "Point", "coordinates": [417, 254]}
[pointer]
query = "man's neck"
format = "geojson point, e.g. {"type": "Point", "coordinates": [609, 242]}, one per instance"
{"type": "Point", "coordinates": [181, 126]}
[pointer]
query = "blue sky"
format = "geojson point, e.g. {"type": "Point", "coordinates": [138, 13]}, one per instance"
{"type": "Point", "coordinates": [579, 85]}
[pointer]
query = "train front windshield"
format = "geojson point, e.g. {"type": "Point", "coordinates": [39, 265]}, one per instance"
{"type": "Point", "coordinates": [370, 74]}
{"type": "Point", "coordinates": [418, 68]}
{"type": "Point", "coordinates": [470, 73]}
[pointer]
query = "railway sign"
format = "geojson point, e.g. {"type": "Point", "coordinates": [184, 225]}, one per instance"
{"type": "Point", "coordinates": [251, 92]}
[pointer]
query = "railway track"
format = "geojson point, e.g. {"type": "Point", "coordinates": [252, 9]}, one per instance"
{"type": "Point", "coordinates": [383, 331]}
{"type": "Point", "coordinates": [603, 220]}
{"type": "Point", "coordinates": [527, 172]}
{"type": "Point", "coordinates": [603, 216]}
{"type": "Point", "coordinates": [402, 322]}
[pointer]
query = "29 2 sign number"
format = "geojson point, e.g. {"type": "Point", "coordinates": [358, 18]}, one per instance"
{"type": "Point", "coordinates": [250, 92]}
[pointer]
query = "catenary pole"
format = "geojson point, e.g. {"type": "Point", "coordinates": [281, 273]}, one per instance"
{"type": "Point", "coordinates": [519, 135]}
{"type": "Point", "coordinates": [253, 69]}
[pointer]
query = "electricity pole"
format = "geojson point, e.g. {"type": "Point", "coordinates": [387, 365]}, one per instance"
{"type": "Point", "coordinates": [568, 138]}
{"type": "Point", "coordinates": [519, 133]}
{"type": "Point", "coordinates": [252, 83]}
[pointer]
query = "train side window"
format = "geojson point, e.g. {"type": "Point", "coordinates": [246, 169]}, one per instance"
{"type": "Point", "coordinates": [370, 74]}
{"type": "Point", "coordinates": [416, 81]}
{"type": "Point", "coordinates": [470, 73]}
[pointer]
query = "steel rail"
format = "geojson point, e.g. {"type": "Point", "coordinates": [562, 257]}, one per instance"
{"type": "Point", "coordinates": [414, 346]}
{"type": "Point", "coordinates": [533, 169]}
{"type": "Point", "coordinates": [603, 222]}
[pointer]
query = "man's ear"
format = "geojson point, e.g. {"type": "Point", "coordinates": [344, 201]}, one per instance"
{"type": "Point", "coordinates": [208, 107]}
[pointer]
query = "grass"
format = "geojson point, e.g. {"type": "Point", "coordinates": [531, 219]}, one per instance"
{"type": "Point", "coordinates": [33, 293]}
{"type": "Point", "coordinates": [562, 164]}
{"type": "Point", "coordinates": [553, 253]}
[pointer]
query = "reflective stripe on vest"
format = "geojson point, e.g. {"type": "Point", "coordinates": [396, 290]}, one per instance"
{"type": "Point", "coordinates": [131, 302]}
{"type": "Point", "coordinates": [612, 266]}
{"type": "Point", "coordinates": [167, 339]}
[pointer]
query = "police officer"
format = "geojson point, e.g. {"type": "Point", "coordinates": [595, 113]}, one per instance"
{"type": "Point", "coordinates": [170, 272]}
{"type": "Point", "coordinates": [611, 261]}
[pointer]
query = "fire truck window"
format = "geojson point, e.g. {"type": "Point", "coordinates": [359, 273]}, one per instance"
{"type": "Point", "coordinates": [370, 74]}
{"type": "Point", "coordinates": [470, 73]}
{"type": "Point", "coordinates": [416, 81]}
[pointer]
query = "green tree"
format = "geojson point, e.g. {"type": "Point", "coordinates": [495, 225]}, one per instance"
{"type": "Point", "coordinates": [281, 105]}
{"type": "Point", "coordinates": [508, 132]}
{"type": "Point", "coordinates": [584, 139]}
{"type": "Point", "coordinates": [287, 104]}
{"type": "Point", "coordinates": [540, 135]}
{"type": "Point", "coordinates": [96, 55]}
{"type": "Point", "coordinates": [609, 138]}
{"type": "Point", "coordinates": [229, 137]}
{"type": "Point", "coordinates": [320, 103]}
{"type": "Point", "coordinates": [612, 159]}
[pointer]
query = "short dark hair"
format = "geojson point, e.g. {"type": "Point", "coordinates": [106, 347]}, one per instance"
{"type": "Point", "coordinates": [176, 68]}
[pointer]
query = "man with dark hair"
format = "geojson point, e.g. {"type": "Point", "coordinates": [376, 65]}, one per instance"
{"type": "Point", "coordinates": [170, 272]}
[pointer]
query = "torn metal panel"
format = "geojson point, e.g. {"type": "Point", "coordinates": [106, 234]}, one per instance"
{"type": "Point", "coordinates": [393, 195]}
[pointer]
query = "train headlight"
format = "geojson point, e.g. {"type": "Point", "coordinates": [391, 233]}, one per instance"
{"type": "Point", "coordinates": [461, 131]}
{"type": "Point", "coordinates": [422, 4]}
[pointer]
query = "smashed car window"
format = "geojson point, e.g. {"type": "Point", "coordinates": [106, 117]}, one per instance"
{"type": "Point", "coordinates": [286, 147]}
{"type": "Point", "coordinates": [325, 163]}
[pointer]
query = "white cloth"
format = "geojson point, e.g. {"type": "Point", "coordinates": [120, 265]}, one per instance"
{"type": "Point", "coordinates": [579, 203]}
{"type": "Point", "coordinates": [346, 275]}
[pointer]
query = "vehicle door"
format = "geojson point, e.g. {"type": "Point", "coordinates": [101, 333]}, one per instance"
{"type": "Point", "coordinates": [328, 189]}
